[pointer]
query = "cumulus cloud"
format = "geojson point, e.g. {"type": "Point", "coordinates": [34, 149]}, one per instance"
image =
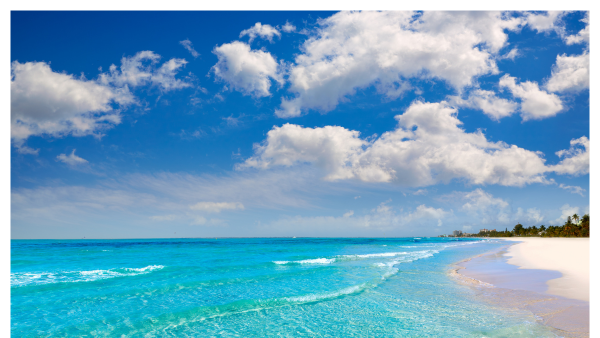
{"type": "Point", "coordinates": [428, 147]}
{"type": "Point", "coordinates": [141, 69]}
{"type": "Point", "coordinates": [488, 102]}
{"type": "Point", "coordinates": [71, 159]}
{"type": "Point", "coordinates": [576, 159]}
{"type": "Point", "coordinates": [57, 104]}
{"type": "Point", "coordinates": [216, 206]}
{"type": "Point", "coordinates": [566, 211]}
{"type": "Point", "coordinates": [545, 22]}
{"type": "Point", "coordinates": [354, 50]}
{"type": "Point", "coordinates": [531, 216]}
{"type": "Point", "coordinates": [536, 104]}
{"type": "Point", "coordinates": [583, 36]}
{"type": "Point", "coordinates": [45, 102]}
{"type": "Point", "coordinates": [483, 207]}
{"type": "Point", "coordinates": [331, 148]}
{"type": "Point", "coordinates": [570, 73]}
{"type": "Point", "coordinates": [288, 27]}
{"type": "Point", "coordinates": [187, 44]}
{"type": "Point", "coordinates": [266, 32]}
{"type": "Point", "coordinates": [572, 189]}
{"type": "Point", "coordinates": [245, 70]}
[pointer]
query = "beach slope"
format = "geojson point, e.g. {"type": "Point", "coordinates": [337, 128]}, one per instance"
{"type": "Point", "coordinates": [569, 256]}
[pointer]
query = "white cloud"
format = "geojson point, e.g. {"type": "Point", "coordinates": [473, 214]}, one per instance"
{"type": "Point", "coordinates": [425, 212]}
{"type": "Point", "coordinates": [570, 73]}
{"type": "Point", "coordinates": [71, 159]}
{"type": "Point", "coordinates": [330, 148]}
{"type": "Point", "coordinates": [121, 206]}
{"type": "Point", "coordinates": [140, 70]}
{"type": "Point", "coordinates": [546, 21]}
{"type": "Point", "coordinates": [479, 199]}
{"type": "Point", "coordinates": [536, 104]}
{"type": "Point", "coordinates": [288, 27]}
{"type": "Point", "coordinates": [531, 216]}
{"type": "Point", "coordinates": [354, 50]}
{"type": "Point", "coordinates": [266, 32]}
{"type": "Point", "coordinates": [381, 219]}
{"type": "Point", "coordinates": [216, 206]}
{"type": "Point", "coordinates": [187, 44]}
{"type": "Point", "coordinates": [44, 102]}
{"type": "Point", "coordinates": [420, 192]}
{"type": "Point", "coordinates": [583, 36]}
{"type": "Point", "coordinates": [514, 53]}
{"type": "Point", "coordinates": [58, 104]}
{"type": "Point", "coordinates": [487, 101]}
{"type": "Point", "coordinates": [483, 207]}
{"type": "Point", "coordinates": [566, 211]}
{"type": "Point", "coordinates": [575, 160]}
{"type": "Point", "coordinates": [428, 147]}
{"type": "Point", "coordinates": [245, 70]}
{"type": "Point", "coordinates": [572, 189]}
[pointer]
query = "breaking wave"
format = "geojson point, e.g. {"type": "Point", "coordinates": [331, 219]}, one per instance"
{"type": "Point", "coordinates": [39, 278]}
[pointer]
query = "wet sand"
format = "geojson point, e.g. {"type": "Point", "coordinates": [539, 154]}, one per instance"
{"type": "Point", "coordinates": [497, 282]}
{"type": "Point", "coordinates": [569, 256]}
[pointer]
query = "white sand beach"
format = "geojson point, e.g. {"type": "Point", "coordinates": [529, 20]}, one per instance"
{"type": "Point", "coordinates": [547, 276]}
{"type": "Point", "coordinates": [569, 256]}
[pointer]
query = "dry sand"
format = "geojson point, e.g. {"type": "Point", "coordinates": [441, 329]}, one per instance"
{"type": "Point", "coordinates": [547, 276]}
{"type": "Point", "coordinates": [569, 256]}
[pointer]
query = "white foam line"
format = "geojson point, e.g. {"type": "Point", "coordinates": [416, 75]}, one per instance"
{"type": "Point", "coordinates": [29, 278]}
{"type": "Point", "coordinates": [357, 256]}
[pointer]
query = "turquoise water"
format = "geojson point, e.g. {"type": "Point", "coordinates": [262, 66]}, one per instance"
{"type": "Point", "coordinates": [359, 287]}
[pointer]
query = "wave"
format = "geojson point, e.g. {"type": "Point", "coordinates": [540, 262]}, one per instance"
{"type": "Point", "coordinates": [205, 313]}
{"type": "Point", "coordinates": [384, 254]}
{"type": "Point", "coordinates": [39, 278]}
{"type": "Point", "coordinates": [172, 321]}
{"type": "Point", "coordinates": [341, 258]}
{"type": "Point", "coordinates": [328, 295]}
{"type": "Point", "coordinates": [308, 261]}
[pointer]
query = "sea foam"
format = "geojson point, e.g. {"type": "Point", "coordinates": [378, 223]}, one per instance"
{"type": "Point", "coordinates": [38, 278]}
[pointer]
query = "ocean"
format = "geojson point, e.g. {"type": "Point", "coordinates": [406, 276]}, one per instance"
{"type": "Point", "coordinates": [254, 287]}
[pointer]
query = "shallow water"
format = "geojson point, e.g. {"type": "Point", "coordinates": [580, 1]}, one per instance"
{"type": "Point", "coordinates": [526, 289]}
{"type": "Point", "coordinates": [396, 287]}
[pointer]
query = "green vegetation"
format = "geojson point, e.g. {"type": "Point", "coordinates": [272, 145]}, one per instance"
{"type": "Point", "coordinates": [569, 229]}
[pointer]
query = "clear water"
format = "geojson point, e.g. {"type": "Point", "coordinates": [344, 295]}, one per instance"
{"type": "Point", "coordinates": [358, 287]}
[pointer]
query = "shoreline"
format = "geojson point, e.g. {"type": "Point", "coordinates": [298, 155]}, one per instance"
{"type": "Point", "coordinates": [547, 276]}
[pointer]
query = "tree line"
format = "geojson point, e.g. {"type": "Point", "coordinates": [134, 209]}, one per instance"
{"type": "Point", "coordinates": [573, 227]}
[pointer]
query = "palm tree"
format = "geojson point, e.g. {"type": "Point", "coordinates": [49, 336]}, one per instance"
{"type": "Point", "coordinates": [576, 218]}
{"type": "Point", "coordinates": [568, 229]}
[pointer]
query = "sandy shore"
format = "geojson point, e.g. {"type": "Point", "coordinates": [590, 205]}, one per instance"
{"type": "Point", "coordinates": [569, 256]}
{"type": "Point", "coordinates": [547, 276]}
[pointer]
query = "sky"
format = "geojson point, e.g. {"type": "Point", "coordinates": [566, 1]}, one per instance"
{"type": "Point", "coordinates": [269, 124]}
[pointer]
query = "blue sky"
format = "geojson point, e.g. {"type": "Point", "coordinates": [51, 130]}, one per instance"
{"type": "Point", "coordinates": [212, 124]}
